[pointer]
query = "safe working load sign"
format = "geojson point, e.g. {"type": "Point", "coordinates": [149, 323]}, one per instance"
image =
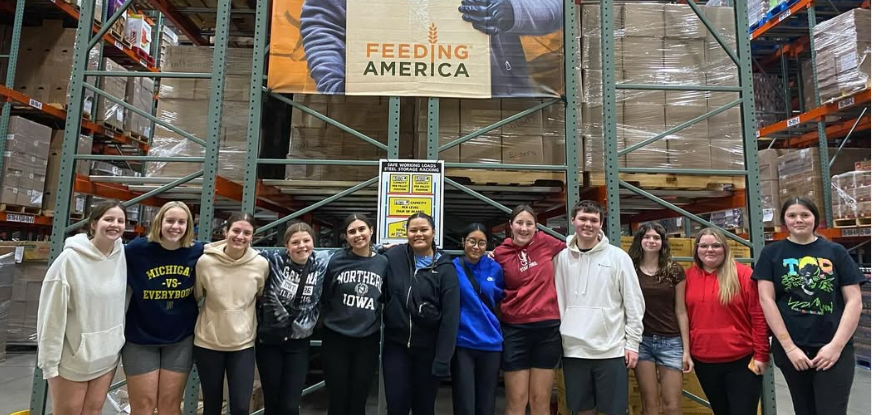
{"type": "Point", "coordinates": [407, 187]}
{"type": "Point", "coordinates": [437, 48]}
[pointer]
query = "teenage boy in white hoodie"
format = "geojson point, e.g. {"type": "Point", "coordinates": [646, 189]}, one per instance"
{"type": "Point", "coordinates": [601, 309]}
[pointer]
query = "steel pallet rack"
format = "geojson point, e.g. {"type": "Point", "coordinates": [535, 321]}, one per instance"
{"type": "Point", "coordinates": [254, 193]}
{"type": "Point", "coordinates": [783, 40]}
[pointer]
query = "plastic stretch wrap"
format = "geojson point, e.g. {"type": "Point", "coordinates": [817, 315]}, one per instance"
{"type": "Point", "coordinates": [843, 56]}
{"type": "Point", "coordinates": [769, 201]}
{"type": "Point", "coordinates": [108, 112]}
{"type": "Point", "coordinates": [7, 266]}
{"type": "Point", "coordinates": [184, 103]}
{"type": "Point", "coordinates": [659, 44]}
{"type": "Point", "coordinates": [799, 174]}
{"type": "Point", "coordinates": [26, 286]}
{"type": "Point", "coordinates": [851, 194]}
{"type": "Point", "coordinates": [757, 10]}
{"type": "Point", "coordinates": [768, 99]}
{"type": "Point", "coordinates": [25, 162]}
{"type": "Point", "coordinates": [140, 94]}
{"type": "Point", "coordinates": [729, 219]}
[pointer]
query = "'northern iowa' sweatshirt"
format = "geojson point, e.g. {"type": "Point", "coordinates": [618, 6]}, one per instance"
{"type": "Point", "coordinates": [227, 321]}
{"type": "Point", "coordinates": [601, 304]}
{"type": "Point", "coordinates": [80, 322]}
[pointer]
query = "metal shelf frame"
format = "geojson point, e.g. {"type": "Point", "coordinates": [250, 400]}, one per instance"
{"type": "Point", "coordinates": [254, 194]}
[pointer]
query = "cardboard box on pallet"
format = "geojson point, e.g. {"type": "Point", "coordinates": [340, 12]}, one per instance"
{"type": "Point", "coordinates": [42, 51]}
{"type": "Point", "coordinates": [7, 275]}
{"type": "Point", "coordinates": [109, 112]}
{"type": "Point", "coordinates": [140, 94]}
{"type": "Point", "coordinates": [25, 162]}
{"type": "Point", "coordinates": [769, 200]}
{"type": "Point", "coordinates": [54, 167]}
{"type": "Point", "coordinates": [843, 54]}
{"type": "Point", "coordinates": [26, 285]}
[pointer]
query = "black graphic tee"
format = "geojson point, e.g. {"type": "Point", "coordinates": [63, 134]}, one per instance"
{"type": "Point", "coordinates": [352, 294]}
{"type": "Point", "coordinates": [808, 281]}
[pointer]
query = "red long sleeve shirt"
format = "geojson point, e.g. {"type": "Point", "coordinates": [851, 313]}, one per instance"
{"type": "Point", "coordinates": [724, 333]}
{"type": "Point", "coordinates": [528, 272]}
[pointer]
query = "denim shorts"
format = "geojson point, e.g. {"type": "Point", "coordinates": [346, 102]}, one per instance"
{"type": "Point", "coordinates": [663, 351]}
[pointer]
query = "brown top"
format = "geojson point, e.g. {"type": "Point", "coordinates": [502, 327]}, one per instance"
{"type": "Point", "coordinates": [659, 293]}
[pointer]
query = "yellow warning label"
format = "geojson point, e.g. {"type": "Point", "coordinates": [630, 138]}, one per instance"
{"type": "Point", "coordinates": [399, 183]}
{"type": "Point", "coordinates": [422, 183]}
{"type": "Point", "coordinates": [406, 206]}
{"type": "Point", "coordinates": [397, 229]}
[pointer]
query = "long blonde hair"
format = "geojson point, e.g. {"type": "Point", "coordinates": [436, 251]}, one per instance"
{"type": "Point", "coordinates": [728, 277]}
{"type": "Point", "coordinates": [154, 234]}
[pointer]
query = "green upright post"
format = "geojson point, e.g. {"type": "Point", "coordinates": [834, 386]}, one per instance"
{"type": "Point", "coordinates": [72, 127]}
{"type": "Point", "coordinates": [255, 106]}
{"type": "Point", "coordinates": [823, 143]}
{"type": "Point", "coordinates": [394, 128]}
{"type": "Point", "coordinates": [213, 120]}
{"type": "Point", "coordinates": [10, 73]}
{"type": "Point", "coordinates": [752, 186]}
{"type": "Point", "coordinates": [571, 58]}
{"type": "Point", "coordinates": [433, 129]}
{"type": "Point", "coordinates": [610, 133]}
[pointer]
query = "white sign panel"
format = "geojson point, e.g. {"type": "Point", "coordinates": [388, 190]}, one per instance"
{"type": "Point", "coordinates": [407, 187]}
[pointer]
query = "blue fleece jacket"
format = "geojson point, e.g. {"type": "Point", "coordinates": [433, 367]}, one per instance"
{"type": "Point", "coordinates": [479, 328]}
{"type": "Point", "coordinates": [322, 25]}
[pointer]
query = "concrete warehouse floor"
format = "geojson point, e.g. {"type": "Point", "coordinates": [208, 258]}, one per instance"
{"type": "Point", "coordinates": [17, 371]}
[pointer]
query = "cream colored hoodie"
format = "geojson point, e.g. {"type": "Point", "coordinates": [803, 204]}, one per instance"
{"type": "Point", "coordinates": [80, 323]}
{"type": "Point", "coordinates": [601, 304]}
{"type": "Point", "coordinates": [227, 321]}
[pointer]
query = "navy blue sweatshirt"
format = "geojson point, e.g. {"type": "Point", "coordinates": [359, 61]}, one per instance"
{"type": "Point", "coordinates": [322, 26]}
{"type": "Point", "coordinates": [162, 307]}
{"type": "Point", "coordinates": [352, 296]}
{"type": "Point", "coordinates": [407, 289]}
{"type": "Point", "coordinates": [479, 327]}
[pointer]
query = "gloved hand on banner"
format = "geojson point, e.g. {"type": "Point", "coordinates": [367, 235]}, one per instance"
{"type": "Point", "coordinates": [490, 17]}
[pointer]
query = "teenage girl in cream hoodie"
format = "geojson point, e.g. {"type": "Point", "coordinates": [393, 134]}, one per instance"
{"type": "Point", "coordinates": [230, 276]}
{"type": "Point", "coordinates": [80, 323]}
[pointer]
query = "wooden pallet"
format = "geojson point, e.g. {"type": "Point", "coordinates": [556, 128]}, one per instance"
{"type": "Point", "coordinates": [505, 177]}
{"type": "Point", "coordinates": [136, 136]}
{"type": "Point", "coordinates": [114, 129]}
{"type": "Point", "coordinates": [773, 229]}
{"type": "Point", "coordinates": [10, 208]}
{"type": "Point", "coordinates": [851, 222]}
{"type": "Point", "coordinates": [671, 181]}
{"type": "Point", "coordinates": [58, 105]}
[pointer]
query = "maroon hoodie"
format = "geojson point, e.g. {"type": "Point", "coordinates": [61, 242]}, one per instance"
{"type": "Point", "coordinates": [529, 277]}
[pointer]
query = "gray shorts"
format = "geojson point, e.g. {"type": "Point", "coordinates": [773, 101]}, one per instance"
{"type": "Point", "coordinates": [596, 383]}
{"type": "Point", "coordinates": [139, 359]}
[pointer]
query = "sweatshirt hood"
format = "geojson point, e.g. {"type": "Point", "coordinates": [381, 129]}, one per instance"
{"type": "Point", "coordinates": [217, 250]}
{"type": "Point", "coordinates": [602, 244]}
{"type": "Point", "coordinates": [82, 244]}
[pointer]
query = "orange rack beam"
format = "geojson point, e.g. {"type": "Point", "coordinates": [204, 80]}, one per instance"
{"type": "Point", "coordinates": [83, 184]}
{"type": "Point", "coordinates": [11, 95]}
{"type": "Point", "coordinates": [111, 41]}
{"type": "Point", "coordinates": [815, 114]}
{"type": "Point", "coordinates": [796, 8]}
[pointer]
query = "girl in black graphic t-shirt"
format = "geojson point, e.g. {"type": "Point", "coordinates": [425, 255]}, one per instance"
{"type": "Point", "coordinates": [810, 292]}
{"type": "Point", "coordinates": [352, 307]}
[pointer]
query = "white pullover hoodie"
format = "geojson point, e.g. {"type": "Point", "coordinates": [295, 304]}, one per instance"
{"type": "Point", "coordinates": [80, 323]}
{"type": "Point", "coordinates": [601, 304]}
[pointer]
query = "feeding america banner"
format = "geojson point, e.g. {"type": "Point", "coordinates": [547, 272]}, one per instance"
{"type": "Point", "coordinates": [437, 48]}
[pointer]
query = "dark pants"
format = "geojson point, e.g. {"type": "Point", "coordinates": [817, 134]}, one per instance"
{"type": "Point", "coordinates": [349, 365]}
{"type": "Point", "coordinates": [409, 380]}
{"type": "Point", "coordinates": [731, 388]}
{"type": "Point", "coordinates": [474, 377]}
{"type": "Point", "coordinates": [212, 366]}
{"type": "Point", "coordinates": [818, 392]}
{"type": "Point", "coordinates": [282, 371]}
{"type": "Point", "coordinates": [599, 384]}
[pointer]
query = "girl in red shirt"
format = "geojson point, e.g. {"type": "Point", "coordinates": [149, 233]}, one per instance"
{"type": "Point", "coordinates": [532, 346]}
{"type": "Point", "coordinates": [729, 340]}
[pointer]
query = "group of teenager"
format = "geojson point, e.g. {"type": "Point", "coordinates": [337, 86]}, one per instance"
{"type": "Point", "coordinates": [163, 303]}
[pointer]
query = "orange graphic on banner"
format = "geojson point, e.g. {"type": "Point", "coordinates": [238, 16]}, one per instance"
{"type": "Point", "coordinates": [288, 69]}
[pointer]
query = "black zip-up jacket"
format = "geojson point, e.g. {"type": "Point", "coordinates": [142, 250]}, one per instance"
{"type": "Point", "coordinates": [407, 289]}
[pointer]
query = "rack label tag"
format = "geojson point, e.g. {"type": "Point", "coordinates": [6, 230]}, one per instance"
{"type": "Point", "coordinates": [793, 122]}
{"type": "Point", "coordinates": [785, 15]}
{"type": "Point", "coordinates": [11, 217]}
{"type": "Point", "coordinates": [847, 102]}
{"type": "Point", "coordinates": [35, 104]}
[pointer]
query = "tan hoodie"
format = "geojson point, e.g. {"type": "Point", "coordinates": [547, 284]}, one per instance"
{"type": "Point", "coordinates": [227, 321]}
{"type": "Point", "coordinates": [80, 322]}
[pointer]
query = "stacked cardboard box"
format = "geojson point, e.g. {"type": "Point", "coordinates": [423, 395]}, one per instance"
{"type": "Point", "coordinates": [7, 275]}
{"type": "Point", "coordinates": [768, 99]}
{"type": "Point", "coordinates": [137, 31]}
{"type": "Point", "coordinates": [140, 94]}
{"type": "Point", "coordinates": [799, 172]}
{"type": "Point", "coordinates": [770, 199]}
{"type": "Point", "coordinates": [843, 55]}
{"type": "Point", "coordinates": [184, 103]}
{"type": "Point", "coordinates": [168, 39]}
{"type": "Point", "coordinates": [43, 50]}
{"type": "Point", "coordinates": [852, 195]}
{"type": "Point", "coordinates": [31, 264]}
{"type": "Point", "coordinates": [53, 170]}
{"type": "Point", "coordinates": [663, 45]}
{"type": "Point", "coordinates": [862, 335]}
{"type": "Point", "coordinates": [109, 113]}
{"type": "Point", "coordinates": [24, 163]}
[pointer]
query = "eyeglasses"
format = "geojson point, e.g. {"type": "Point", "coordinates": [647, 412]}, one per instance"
{"type": "Point", "coordinates": [707, 246]}
{"type": "Point", "coordinates": [473, 242]}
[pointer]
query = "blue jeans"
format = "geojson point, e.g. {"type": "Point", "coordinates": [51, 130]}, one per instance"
{"type": "Point", "coordinates": [662, 350]}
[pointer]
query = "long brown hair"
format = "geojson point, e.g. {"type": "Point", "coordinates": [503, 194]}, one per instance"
{"type": "Point", "coordinates": [664, 256]}
{"type": "Point", "coordinates": [99, 210]}
{"type": "Point", "coordinates": [728, 277]}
